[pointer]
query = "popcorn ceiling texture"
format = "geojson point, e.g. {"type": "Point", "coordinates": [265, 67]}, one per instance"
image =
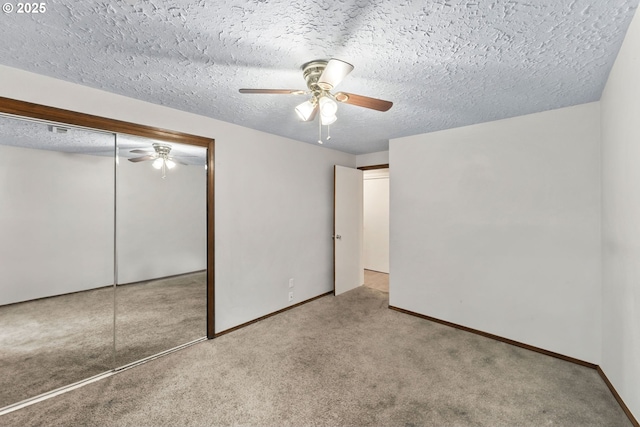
{"type": "Point", "coordinates": [444, 63]}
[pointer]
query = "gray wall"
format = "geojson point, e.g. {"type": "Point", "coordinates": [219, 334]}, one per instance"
{"type": "Point", "coordinates": [497, 227]}
{"type": "Point", "coordinates": [274, 221]}
{"type": "Point", "coordinates": [621, 221]}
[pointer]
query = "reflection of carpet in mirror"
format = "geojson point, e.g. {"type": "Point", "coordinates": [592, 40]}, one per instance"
{"type": "Point", "coordinates": [52, 342]}
{"type": "Point", "coordinates": [159, 314]}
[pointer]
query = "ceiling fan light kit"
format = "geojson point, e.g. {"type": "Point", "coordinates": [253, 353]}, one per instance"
{"type": "Point", "coordinates": [333, 75]}
{"type": "Point", "coordinates": [306, 110]}
{"type": "Point", "coordinates": [161, 159]}
{"type": "Point", "coordinates": [158, 163]}
{"type": "Point", "coordinates": [328, 109]}
{"type": "Point", "coordinates": [321, 77]}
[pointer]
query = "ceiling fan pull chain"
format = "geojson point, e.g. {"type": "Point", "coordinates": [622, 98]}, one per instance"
{"type": "Point", "coordinates": [328, 132]}
{"type": "Point", "coordinates": [319, 131]}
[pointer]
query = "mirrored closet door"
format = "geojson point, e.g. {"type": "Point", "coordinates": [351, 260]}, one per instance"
{"type": "Point", "coordinates": [103, 252]}
{"type": "Point", "coordinates": [161, 202]}
{"type": "Point", "coordinates": [56, 250]}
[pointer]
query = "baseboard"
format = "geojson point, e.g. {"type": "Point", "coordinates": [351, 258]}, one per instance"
{"type": "Point", "coordinates": [624, 407]}
{"type": "Point", "coordinates": [57, 295]}
{"type": "Point", "coordinates": [266, 316]}
{"type": "Point", "coordinates": [613, 390]}
{"type": "Point", "coordinates": [172, 276]}
{"type": "Point", "coordinates": [499, 338]}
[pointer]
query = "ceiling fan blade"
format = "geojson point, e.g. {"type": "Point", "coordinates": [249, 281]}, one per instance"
{"type": "Point", "coordinates": [334, 72]}
{"type": "Point", "coordinates": [274, 91]}
{"type": "Point", "coordinates": [142, 159]}
{"type": "Point", "coordinates": [363, 101]}
{"type": "Point", "coordinates": [141, 151]}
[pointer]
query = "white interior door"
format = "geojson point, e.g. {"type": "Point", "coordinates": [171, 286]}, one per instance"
{"type": "Point", "coordinates": [347, 229]}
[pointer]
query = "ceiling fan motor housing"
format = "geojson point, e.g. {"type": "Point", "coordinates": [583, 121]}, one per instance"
{"type": "Point", "coordinates": [162, 149]}
{"type": "Point", "coordinates": [311, 71]}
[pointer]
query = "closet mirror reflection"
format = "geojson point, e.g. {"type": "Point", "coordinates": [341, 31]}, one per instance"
{"type": "Point", "coordinates": [161, 235]}
{"type": "Point", "coordinates": [56, 256]}
{"type": "Point", "coordinates": [103, 260]}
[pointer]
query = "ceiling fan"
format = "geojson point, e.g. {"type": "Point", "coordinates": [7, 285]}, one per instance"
{"type": "Point", "coordinates": [160, 157]}
{"type": "Point", "coordinates": [322, 77]}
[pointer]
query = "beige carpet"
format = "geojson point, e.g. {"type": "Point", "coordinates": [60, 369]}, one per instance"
{"type": "Point", "coordinates": [52, 342]}
{"type": "Point", "coordinates": [340, 361]}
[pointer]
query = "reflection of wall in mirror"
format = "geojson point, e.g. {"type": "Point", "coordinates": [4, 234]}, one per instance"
{"type": "Point", "coordinates": [161, 222]}
{"type": "Point", "coordinates": [56, 217]}
{"type": "Point", "coordinates": [57, 226]}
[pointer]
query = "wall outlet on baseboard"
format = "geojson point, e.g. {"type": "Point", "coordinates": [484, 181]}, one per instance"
{"type": "Point", "coordinates": [290, 296]}
{"type": "Point", "coordinates": [291, 283]}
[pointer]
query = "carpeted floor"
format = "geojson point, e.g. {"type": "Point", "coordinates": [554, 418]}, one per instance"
{"type": "Point", "coordinates": [52, 342]}
{"type": "Point", "coordinates": [340, 361]}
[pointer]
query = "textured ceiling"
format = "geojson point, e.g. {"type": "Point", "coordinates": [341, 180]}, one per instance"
{"type": "Point", "coordinates": [444, 63]}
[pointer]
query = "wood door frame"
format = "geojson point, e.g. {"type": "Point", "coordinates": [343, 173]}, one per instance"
{"type": "Point", "coordinates": [369, 168]}
{"type": "Point", "coordinates": [372, 167]}
{"type": "Point", "coordinates": [51, 114]}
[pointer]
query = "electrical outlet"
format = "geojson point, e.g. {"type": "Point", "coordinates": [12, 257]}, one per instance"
{"type": "Point", "coordinates": [290, 296]}
{"type": "Point", "coordinates": [291, 283]}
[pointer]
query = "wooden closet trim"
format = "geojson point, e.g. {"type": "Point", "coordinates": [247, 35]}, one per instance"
{"type": "Point", "coordinates": [52, 114]}
{"type": "Point", "coordinates": [43, 112]}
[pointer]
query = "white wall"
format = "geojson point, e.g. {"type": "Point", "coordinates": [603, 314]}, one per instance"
{"type": "Point", "coordinates": [56, 223]}
{"type": "Point", "coordinates": [274, 197]}
{"type": "Point", "coordinates": [496, 227]}
{"type": "Point", "coordinates": [161, 223]}
{"type": "Point", "coordinates": [620, 106]}
{"type": "Point", "coordinates": [274, 221]}
{"type": "Point", "coordinates": [376, 220]}
{"type": "Point", "coordinates": [372, 159]}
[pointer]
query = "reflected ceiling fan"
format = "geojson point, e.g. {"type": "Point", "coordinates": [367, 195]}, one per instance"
{"type": "Point", "coordinates": [322, 77]}
{"type": "Point", "coordinates": [160, 157]}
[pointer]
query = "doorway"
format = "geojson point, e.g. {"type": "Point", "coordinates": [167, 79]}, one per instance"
{"type": "Point", "coordinates": [376, 228]}
{"type": "Point", "coordinates": [350, 266]}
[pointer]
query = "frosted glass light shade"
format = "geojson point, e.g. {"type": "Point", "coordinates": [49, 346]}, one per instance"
{"type": "Point", "coordinates": [335, 71]}
{"type": "Point", "coordinates": [328, 106]}
{"type": "Point", "coordinates": [157, 163]}
{"type": "Point", "coordinates": [171, 164]}
{"type": "Point", "coordinates": [327, 120]}
{"type": "Point", "coordinates": [305, 110]}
